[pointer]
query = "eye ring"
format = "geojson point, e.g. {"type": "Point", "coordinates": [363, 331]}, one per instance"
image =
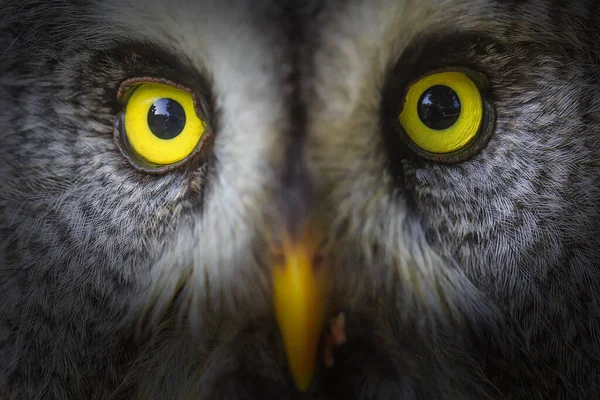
{"type": "Point", "coordinates": [475, 144]}
{"type": "Point", "coordinates": [120, 139]}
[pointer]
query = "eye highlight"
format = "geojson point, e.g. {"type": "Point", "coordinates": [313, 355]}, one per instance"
{"type": "Point", "coordinates": [443, 115]}
{"type": "Point", "coordinates": [160, 123]}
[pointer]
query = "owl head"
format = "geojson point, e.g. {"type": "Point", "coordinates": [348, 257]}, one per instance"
{"type": "Point", "coordinates": [360, 199]}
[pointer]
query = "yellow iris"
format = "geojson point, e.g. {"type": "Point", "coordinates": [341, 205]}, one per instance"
{"type": "Point", "coordinates": [161, 124]}
{"type": "Point", "coordinates": [461, 132]}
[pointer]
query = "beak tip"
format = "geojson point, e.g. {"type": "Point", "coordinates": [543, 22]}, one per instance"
{"type": "Point", "coordinates": [301, 364]}
{"type": "Point", "coordinates": [301, 357]}
{"type": "Point", "coordinates": [303, 383]}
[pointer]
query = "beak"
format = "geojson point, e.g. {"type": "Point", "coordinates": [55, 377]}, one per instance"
{"type": "Point", "coordinates": [300, 288]}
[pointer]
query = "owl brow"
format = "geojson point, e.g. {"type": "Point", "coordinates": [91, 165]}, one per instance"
{"type": "Point", "coordinates": [142, 59]}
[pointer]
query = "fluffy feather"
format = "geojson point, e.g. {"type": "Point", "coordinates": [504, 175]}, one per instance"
{"type": "Point", "coordinates": [465, 281]}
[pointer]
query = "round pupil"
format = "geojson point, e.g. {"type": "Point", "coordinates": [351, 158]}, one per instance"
{"type": "Point", "coordinates": [439, 107]}
{"type": "Point", "coordinates": [166, 118]}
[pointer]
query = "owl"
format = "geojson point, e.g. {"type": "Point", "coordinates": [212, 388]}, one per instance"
{"type": "Point", "coordinates": [360, 199]}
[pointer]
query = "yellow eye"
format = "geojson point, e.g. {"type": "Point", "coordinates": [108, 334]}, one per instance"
{"type": "Point", "coordinates": [443, 112]}
{"type": "Point", "coordinates": [160, 123]}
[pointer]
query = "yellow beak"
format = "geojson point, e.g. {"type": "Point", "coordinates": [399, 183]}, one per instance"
{"type": "Point", "coordinates": [300, 297]}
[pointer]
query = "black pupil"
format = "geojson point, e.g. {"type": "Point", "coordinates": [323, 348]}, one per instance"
{"type": "Point", "coordinates": [166, 118]}
{"type": "Point", "coordinates": [439, 107]}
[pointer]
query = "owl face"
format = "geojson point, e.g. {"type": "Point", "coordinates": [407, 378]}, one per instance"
{"type": "Point", "coordinates": [191, 191]}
